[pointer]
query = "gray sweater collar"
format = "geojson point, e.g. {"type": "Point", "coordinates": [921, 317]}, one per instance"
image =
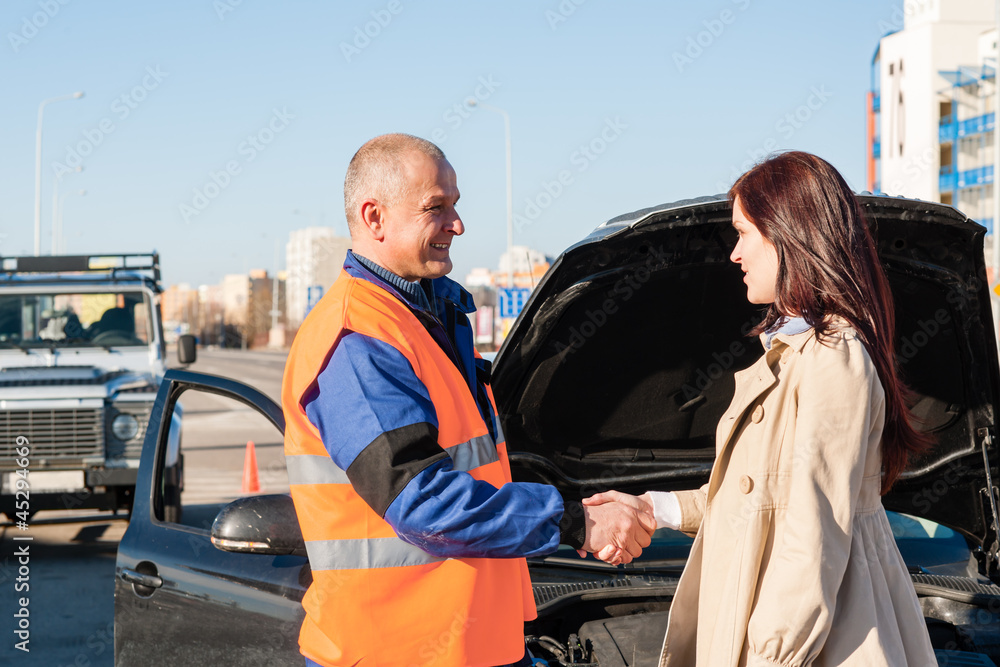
{"type": "Point", "coordinates": [420, 294]}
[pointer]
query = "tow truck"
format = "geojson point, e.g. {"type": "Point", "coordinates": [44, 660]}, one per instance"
{"type": "Point", "coordinates": [82, 355]}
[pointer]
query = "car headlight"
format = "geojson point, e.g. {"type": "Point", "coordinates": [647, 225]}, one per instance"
{"type": "Point", "coordinates": [125, 427]}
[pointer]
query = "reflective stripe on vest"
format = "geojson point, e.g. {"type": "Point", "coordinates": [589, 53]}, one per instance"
{"type": "Point", "coordinates": [366, 554]}
{"type": "Point", "coordinates": [496, 425]}
{"type": "Point", "coordinates": [314, 469]}
{"type": "Point", "coordinates": [478, 451]}
{"type": "Point", "coordinates": [320, 469]}
{"type": "Point", "coordinates": [354, 554]}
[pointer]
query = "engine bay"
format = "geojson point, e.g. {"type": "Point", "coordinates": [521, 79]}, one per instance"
{"type": "Point", "coordinates": [619, 620]}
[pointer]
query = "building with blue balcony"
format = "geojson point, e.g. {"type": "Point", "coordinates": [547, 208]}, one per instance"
{"type": "Point", "coordinates": [965, 134]}
{"type": "Point", "coordinates": [931, 113]}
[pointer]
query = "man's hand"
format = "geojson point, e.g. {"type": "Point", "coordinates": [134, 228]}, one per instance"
{"type": "Point", "coordinates": [617, 531]}
{"type": "Point", "coordinates": [641, 503]}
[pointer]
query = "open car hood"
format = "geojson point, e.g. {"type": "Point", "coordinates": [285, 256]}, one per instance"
{"type": "Point", "coordinates": [621, 364]}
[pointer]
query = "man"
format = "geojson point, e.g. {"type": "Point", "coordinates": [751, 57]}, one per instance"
{"type": "Point", "coordinates": [398, 467]}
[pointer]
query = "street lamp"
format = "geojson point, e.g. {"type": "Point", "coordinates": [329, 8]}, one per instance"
{"type": "Point", "coordinates": [38, 166]}
{"type": "Point", "coordinates": [472, 102]}
{"type": "Point", "coordinates": [56, 218]}
{"type": "Point", "coordinates": [62, 239]}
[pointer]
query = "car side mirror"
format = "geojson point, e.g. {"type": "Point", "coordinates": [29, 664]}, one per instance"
{"type": "Point", "coordinates": [259, 525]}
{"type": "Point", "coordinates": [187, 350]}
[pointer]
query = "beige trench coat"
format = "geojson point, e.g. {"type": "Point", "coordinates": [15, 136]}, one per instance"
{"type": "Point", "coordinates": [794, 562]}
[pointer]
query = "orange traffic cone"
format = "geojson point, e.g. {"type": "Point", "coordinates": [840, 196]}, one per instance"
{"type": "Point", "coordinates": [251, 484]}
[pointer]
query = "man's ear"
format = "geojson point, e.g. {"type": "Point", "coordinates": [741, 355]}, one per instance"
{"type": "Point", "coordinates": [371, 219]}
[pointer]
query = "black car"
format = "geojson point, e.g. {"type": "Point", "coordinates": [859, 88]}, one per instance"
{"type": "Point", "coordinates": [614, 377]}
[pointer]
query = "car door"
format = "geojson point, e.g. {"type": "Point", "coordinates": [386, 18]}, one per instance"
{"type": "Point", "coordinates": [178, 599]}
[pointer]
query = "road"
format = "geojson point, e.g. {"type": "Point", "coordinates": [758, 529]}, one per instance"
{"type": "Point", "coordinates": [70, 566]}
{"type": "Point", "coordinates": [216, 430]}
{"type": "Point", "coordinates": [261, 370]}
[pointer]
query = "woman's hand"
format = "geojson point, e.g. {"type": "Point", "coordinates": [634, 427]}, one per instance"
{"type": "Point", "coordinates": [644, 509]}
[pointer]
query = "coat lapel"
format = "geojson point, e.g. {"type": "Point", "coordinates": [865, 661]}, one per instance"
{"type": "Point", "coordinates": [750, 384]}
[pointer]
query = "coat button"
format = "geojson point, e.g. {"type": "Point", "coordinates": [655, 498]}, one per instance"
{"type": "Point", "coordinates": [758, 414]}
{"type": "Point", "coordinates": [746, 484]}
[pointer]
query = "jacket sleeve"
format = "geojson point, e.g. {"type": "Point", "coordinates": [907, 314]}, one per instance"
{"type": "Point", "coordinates": [797, 595]}
{"type": "Point", "coordinates": [377, 422]}
{"type": "Point", "coordinates": [692, 504]}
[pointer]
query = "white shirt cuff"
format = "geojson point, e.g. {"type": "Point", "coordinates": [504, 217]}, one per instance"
{"type": "Point", "coordinates": [666, 509]}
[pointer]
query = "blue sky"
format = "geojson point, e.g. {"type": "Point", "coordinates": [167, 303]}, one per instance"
{"type": "Point", "coordinates": [207, 124]}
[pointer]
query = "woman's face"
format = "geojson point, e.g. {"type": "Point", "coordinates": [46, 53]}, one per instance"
{"type": "Point", "coordinates": [756, 256]}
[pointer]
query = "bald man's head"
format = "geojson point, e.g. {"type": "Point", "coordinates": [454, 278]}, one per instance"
{"type": "Point", "coordinates": [377, 172]}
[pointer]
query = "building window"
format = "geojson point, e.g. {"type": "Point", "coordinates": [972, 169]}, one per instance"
{"type": "Point", "coordinates": [945, 157]}
{"type": "Point", "coordinates": [945, 111]}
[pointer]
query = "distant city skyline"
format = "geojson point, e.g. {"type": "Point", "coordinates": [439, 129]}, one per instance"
{"type": "Point", "coordinates": [209, 131]}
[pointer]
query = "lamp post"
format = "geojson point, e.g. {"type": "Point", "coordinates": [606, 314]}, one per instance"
{"type": "Point", "coordinates": [56, 218]}
{"type": "Point", "coordinates": [62, 239]}
{"type": "Point", "coordinates": [38, 166]}
{"type": "Point", "coordinates": [472, 102]}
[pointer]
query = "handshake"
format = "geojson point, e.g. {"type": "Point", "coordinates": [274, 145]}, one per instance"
{"type": "Point", "coordinates": [619, 526]}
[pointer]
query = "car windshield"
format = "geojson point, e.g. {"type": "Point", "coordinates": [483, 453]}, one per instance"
{"type": "Point", "coordinates": [58, 319]}
{"type": "Point", "coordinates": [922, 544]}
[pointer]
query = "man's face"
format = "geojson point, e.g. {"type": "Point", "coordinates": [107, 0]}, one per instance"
{"type": "Point", "coordinates": [419, 228]}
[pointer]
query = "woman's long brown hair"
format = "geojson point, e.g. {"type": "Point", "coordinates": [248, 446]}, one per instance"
{"type": "Point", "coordinates": [827, 266]}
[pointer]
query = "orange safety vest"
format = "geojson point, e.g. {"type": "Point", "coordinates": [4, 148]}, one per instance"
{"type": "Point", "coordinates": [376, 600]}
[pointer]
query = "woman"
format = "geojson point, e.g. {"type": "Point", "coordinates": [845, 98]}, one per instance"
{"type": "Point", "coordinates": [794, 562]}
